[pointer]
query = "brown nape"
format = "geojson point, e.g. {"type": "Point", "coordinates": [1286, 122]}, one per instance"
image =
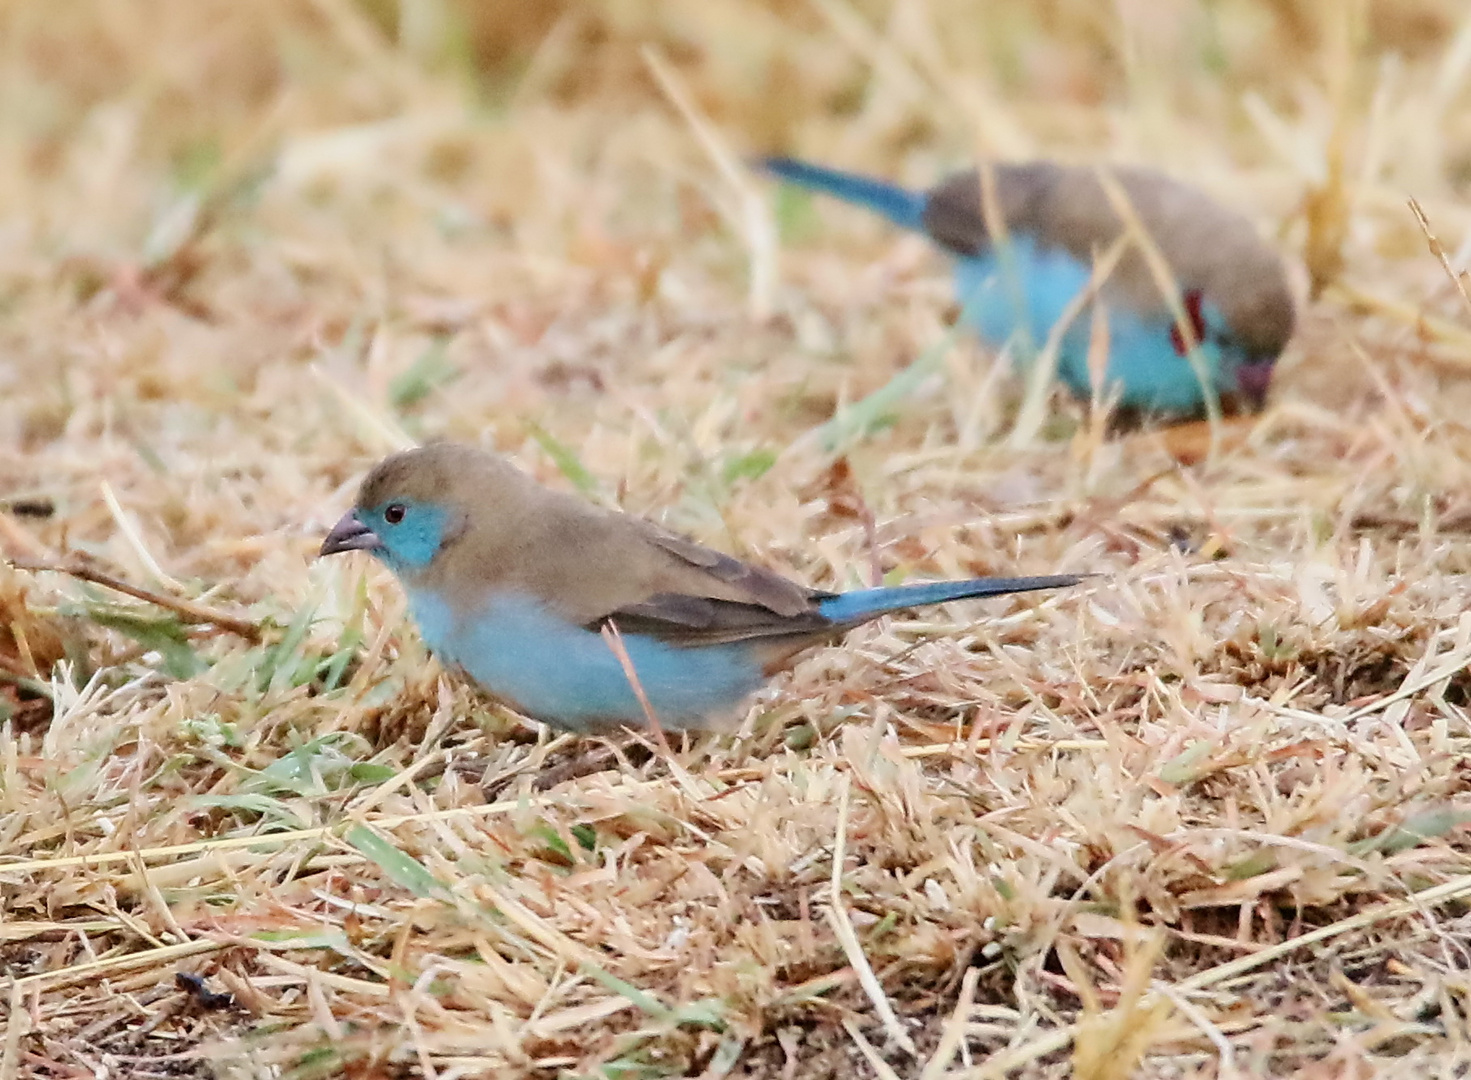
{"type": "Point", "coordinates": [1210, 249]}
{"type": "Point", "coordinates": [437, 472]}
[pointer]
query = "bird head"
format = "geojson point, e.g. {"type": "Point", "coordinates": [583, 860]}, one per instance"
{"type": "Point", "coordinates": [415, 504]}
{"type": "Point", "coordinates": [405, 533]}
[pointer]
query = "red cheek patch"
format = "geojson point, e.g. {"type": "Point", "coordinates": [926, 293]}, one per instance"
{"type": "Point", "coordinates": [1192, 301]}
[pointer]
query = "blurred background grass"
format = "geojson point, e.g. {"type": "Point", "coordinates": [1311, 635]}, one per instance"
{"type": "Point", "coordinates": [156, 139]}
{"type": "Point", "coordinates": [1188, 83]}
{"type": "Point", "coordinates": [778, 73]}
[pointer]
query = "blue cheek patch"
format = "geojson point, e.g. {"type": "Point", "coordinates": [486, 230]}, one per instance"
{"type": "Point", "coordinates": [413, 542]}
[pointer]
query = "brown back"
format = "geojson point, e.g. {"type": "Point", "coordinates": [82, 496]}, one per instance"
{"type": "Point", "coordinates": [585, 563]}
{"type": "Point", "coordinates": [1210, 248]}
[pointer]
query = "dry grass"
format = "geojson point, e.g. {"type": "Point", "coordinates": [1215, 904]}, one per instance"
{"type": "Point", "coordinates": [1181, 822]}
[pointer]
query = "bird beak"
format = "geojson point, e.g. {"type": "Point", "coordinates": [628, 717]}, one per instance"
{"type": "Point", "coordinates": [1254, 380]}
{"type": "Point", "coordinates": [350, 534]}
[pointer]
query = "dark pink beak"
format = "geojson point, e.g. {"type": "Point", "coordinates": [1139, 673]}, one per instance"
{"type": "Point", "coordinates": [350, 534]}
{"type": "Point", "coordinates": [1254, 380]}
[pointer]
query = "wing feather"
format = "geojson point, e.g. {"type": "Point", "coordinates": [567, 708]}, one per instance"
{"type": "Point", "coordinates": [705, 597]}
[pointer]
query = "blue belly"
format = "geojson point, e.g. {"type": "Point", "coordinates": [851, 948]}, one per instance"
{"type": "Point", "coordinates": [557, 672]}
{"type": "Point", "coordinates": [1021, 300]}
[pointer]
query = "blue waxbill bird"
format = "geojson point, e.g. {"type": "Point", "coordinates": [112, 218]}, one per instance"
{"type": "Point", "coordinates": [513, 584]}
{"type": "Point", "coordinates": [1233, 288]}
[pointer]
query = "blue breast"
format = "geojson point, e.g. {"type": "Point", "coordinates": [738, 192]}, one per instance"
{"type": "Point", "coordinates": [558, 672]}
{"type": "Point", "coordinates": [1020, 297]}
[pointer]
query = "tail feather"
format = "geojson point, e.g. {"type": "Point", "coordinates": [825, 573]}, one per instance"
{"type": "Point", "coordinates": [851, 608]}
{"type": "Point", "coordinates": [903, 208]}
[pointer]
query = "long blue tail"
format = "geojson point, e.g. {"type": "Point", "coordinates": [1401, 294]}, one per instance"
{"type": "Point", "coordinates": [864, 604]}
{"type": "Point", "coordinates": [904, 208]}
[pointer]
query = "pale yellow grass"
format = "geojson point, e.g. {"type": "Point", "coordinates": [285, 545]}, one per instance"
{"type": "Point", "coordinates": [1203, 816]}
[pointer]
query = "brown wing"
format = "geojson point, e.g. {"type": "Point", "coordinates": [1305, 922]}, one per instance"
{"type": "Point", "coordinates": [588, 564]}
{"type": "Point", "coordinates": [737, 603]}
{"type": "Point", "coordinates": [696, 620]}
{"type": "Point", "coordinates": [755, 584]}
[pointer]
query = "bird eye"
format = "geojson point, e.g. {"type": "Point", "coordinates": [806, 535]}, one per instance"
{"type": "Point", "coordinates": [393, 513]}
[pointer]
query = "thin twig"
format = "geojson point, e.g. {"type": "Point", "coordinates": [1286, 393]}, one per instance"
{"type": "Point", "coordinates": [1458, 278]}
{"type": "Point", "coordinates": [1169, 291]}
{"type": "Point", "coordinates": [94, 970]}
{"type": "Point", "coordinates": [880, 1067]}
{"type": "Point", "coordinates": [954, 1033]}
{"type": "Point", "coordinates": [614, 639]}
{"type": "Point", "coordinates": [187, 610]}
{"type": "Point", "coordinates": [847, 937]}
{"type": "Point", "coordinates": [753, 221]}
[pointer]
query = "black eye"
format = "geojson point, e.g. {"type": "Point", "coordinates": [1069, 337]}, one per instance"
{"type": "Point", "coordinates": [393, 513]}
